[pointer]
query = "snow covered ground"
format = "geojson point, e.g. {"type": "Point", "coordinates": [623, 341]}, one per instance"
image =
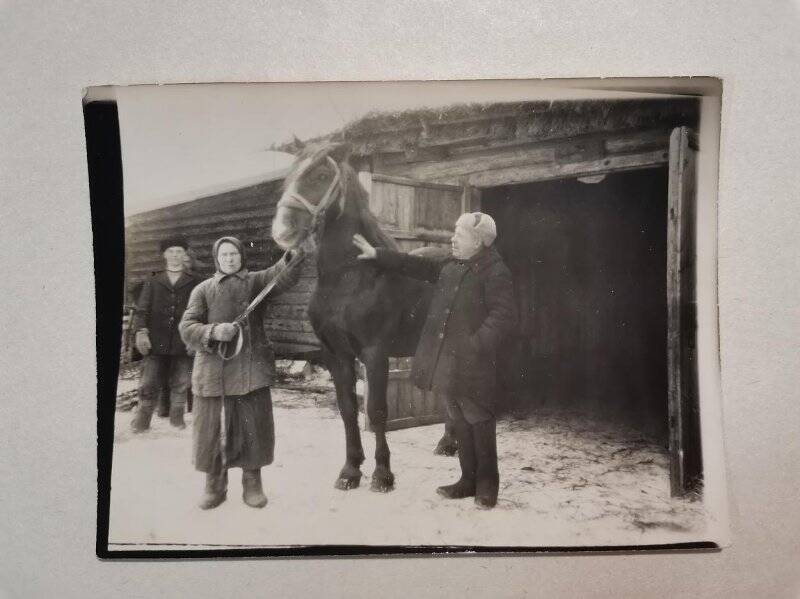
{"type": "Point", "coordinates": [565, 481]}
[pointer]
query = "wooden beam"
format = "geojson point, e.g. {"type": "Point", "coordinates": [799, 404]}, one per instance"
{"type": "Point", "coordinates": [288, 325]}
{"type": "Point", "coordinates": [543, 172]}
{"type": "Point", "coordinates": [484, 161]}
{"type": "Point", "coordinates": [631, 142]}
{"type": "Point", "coordinates": [293, 298]}
{"type": "Point", "coordinates": [294, 349]}
{"type": "Point", "coordinates": [411, 421]}
{"type": "Point", "coordinates": [379, 177]}
{"type": "Point", "coordinates": [433, 236]}
{"type": "Point", "coordinates": [293, 337]}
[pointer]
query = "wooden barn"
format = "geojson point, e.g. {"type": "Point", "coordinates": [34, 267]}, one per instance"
{"type": "Point", "coordinates": [594, 203]}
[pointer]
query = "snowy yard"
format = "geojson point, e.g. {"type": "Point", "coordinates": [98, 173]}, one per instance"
{"type": "Point", "coordinates": [564, 481]}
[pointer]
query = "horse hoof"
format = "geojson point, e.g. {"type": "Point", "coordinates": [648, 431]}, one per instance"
{"type": "Point", "coordinates": [345, 483]}
{"type": "Point", "coordinates": [446, 448]}
{"type": "Point", "coordinates": [381, 485]}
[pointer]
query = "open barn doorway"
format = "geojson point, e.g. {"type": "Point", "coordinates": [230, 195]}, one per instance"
{"type": "Point", "coordinates": [589, 263]}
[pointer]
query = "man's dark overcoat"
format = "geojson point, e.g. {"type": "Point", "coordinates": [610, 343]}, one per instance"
{"type": "Point", "coordinates": [160, 308]}
{"type": "Point", "coordinates": [472, 311]}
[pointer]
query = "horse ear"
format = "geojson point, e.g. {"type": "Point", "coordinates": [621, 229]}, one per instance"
{"type": "Point", "coordinates": [297, 145]}
{"type": "Point", "coordinates": [340, 152]}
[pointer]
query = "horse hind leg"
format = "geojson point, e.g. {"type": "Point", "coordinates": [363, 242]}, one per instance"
{"type": "Point", "coordinates": [344, 378]}
{"type": "Point", "coordinates": [376, 362]}
{"type": "Point", "coordinates": [448, 444]}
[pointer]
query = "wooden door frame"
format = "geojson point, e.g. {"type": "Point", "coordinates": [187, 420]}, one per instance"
{"type": "Point", "coordinates": [686, 460]}
{"type": "Point", "coordinates": [682, 311]}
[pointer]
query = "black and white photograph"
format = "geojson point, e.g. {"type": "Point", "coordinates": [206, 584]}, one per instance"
{"type": "Point", "coordinates": [442, 314]}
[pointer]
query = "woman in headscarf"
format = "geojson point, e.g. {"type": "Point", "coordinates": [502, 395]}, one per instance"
{"type": "Point", "coordinates": [238, 387]}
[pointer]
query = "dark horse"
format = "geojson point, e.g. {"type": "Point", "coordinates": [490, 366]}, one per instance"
{"type": "Point", "coordinates": [356, 310]}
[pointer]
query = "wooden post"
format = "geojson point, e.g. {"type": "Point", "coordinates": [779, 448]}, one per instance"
{"type": "Point", "coordinates": [686, 463]}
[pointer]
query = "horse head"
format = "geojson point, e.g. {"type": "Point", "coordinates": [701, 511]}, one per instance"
{"type": "Point", "coordinates": [316, 183]}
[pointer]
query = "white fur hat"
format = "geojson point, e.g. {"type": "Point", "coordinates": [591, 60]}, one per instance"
{"type": "Point", "coordinates": [482, 225]}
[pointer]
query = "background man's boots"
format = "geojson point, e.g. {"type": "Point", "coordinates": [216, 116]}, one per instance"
{"type": "Point", "coordinates": [487, 475]}
{"type": "Point", "coordinates": [163, 403]}
{"type": "Point", "coordinates": [216, 490]}
{"type": "Point", "coordinates": [176, 415]}
{"type": "Point", "coordinates": [465, 487]}
{"type": "Point", "coordinates": [144, 413]}
{"type": "Point", "coordinates": [252, 491]}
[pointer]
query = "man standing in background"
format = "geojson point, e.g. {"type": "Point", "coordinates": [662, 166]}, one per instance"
{"type": "Point", "coordinates": [166, 363]}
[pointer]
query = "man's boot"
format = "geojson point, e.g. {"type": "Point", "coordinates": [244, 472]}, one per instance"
{"type": "Point", "coordinates": [176, 415]}
{"type": "Point", "coordinates": [487, 474]}
{"type": "Point", "coordinates": [144, 413]}
{"type": "Point", "coordinates": [216, 490]}
{"type": "Point", "coordinates": [163, 403]}
{"type": "Point", "coordinates": [465, 487]}
{"type": "Point", "coordinates": [253, 492]}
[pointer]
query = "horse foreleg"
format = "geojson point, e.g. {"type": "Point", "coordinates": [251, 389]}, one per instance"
{"type": "Point", "coordinates": [344, 378]}
{"type": "Point", "coordinates": [376, 362]}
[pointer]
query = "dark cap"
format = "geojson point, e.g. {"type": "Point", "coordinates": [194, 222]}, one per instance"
{"type": "Point", "coordinates": [172, 242]}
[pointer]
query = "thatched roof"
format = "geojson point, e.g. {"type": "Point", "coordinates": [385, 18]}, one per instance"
{"type": "Point", "coordinates": [520, 122]}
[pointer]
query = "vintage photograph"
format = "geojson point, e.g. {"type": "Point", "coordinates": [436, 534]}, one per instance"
{"type": "Point", "coordinates": [434, 314]}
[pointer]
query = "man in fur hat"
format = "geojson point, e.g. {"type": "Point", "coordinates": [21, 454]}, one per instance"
{"type": "Point", "coordinates": [166, 363]}
{"type": "Point", "coordinates": [471, 313]}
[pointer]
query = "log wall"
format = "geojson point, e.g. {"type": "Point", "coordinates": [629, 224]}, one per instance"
{"type": "Point", "coordinates": [244, 213]}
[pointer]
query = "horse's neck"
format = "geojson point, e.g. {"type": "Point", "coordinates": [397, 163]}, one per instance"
{"type": "Point", "coordinates": [336, 249]}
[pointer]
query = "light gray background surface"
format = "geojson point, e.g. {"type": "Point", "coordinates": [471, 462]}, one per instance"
{"type": "Point", "coordinates": [48, 443]}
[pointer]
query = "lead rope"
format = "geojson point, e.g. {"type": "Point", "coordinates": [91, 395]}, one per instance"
{"type": "Point", "coordinates": [241, 321]}
{"type": "Point", "coordinates": [223, 421]}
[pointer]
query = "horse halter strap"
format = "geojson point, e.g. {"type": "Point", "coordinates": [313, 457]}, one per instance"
{"type": "Point", "coordinates": [293, 199]}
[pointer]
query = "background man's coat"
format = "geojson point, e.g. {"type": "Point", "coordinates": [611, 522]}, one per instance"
{"type": "Point", "coordinates": [160, 308]}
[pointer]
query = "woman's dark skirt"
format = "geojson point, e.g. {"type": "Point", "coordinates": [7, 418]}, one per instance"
{"type": "Point", "coordinates": [250, 432]}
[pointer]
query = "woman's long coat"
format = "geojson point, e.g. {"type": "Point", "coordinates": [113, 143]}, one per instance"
{"type": "Point", "coordinates": [472, 311]}
{"type": "Point", "coordinates": [222, 298]}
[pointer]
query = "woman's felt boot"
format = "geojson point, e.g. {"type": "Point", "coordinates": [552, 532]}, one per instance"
{"type": "Point", "coordinates": [216, 490]}
{"type": "Point", "coordinates": [252, 491]}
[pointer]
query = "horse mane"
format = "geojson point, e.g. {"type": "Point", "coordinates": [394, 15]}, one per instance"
{"type": "Point", "coordinates": [353, 191]}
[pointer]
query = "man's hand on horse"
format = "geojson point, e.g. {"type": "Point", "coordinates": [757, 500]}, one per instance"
{"type": "Point", "coordinates": [224, 331]}
{"type": "Point", "coordinates": [367, 251]}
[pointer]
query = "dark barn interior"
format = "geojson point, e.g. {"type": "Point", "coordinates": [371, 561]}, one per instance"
{"type": "Point", "coordinates": [589, 268]}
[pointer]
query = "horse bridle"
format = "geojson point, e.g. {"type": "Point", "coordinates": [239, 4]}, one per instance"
{"type": "Point", "coordinates": [293, 199]}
